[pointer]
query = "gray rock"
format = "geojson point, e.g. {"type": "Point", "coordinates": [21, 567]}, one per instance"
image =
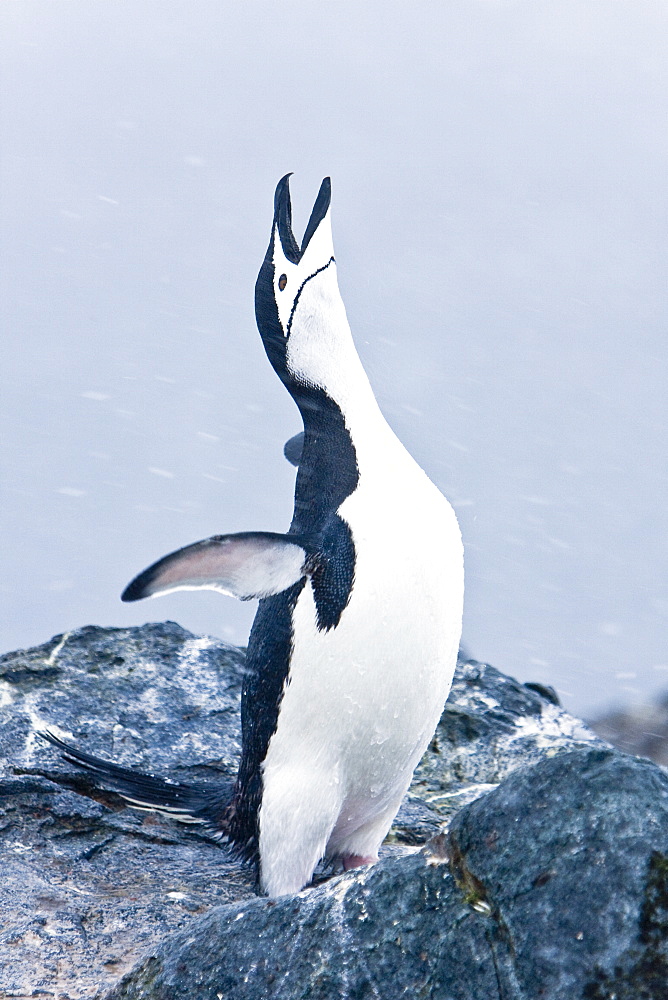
{"type": "Point", "coordinates": [491, 725]}
{"type": "Point", "coordinates": [553, 886]}
{"type": "Point", "coordinates": [89, 887]}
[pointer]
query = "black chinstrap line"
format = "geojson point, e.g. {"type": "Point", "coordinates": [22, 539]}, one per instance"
{"type": "Point", "coordinates": [300, 290]}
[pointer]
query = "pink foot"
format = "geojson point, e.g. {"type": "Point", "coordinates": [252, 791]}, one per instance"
{"type": "Point", "coordinates": [356, 861]}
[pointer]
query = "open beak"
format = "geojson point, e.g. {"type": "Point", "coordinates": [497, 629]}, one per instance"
{"type": "Point", "coordinates": [283, 217]}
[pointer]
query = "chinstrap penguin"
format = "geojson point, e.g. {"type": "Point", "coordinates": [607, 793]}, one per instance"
{"type": "Point", "coordinates": [354, 644]}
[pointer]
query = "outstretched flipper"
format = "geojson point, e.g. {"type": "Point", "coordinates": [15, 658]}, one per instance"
{"type": "Point", "coordinates": [203, 804]}
{"type": "Point", "coordinates": [245, 565]}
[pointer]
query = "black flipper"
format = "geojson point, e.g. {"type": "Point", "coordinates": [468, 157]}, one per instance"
{"type": "Point", "coordinates": [292, 449]}
{"type": "Point", "coordinates": [245, 565]}
{"type": "Point", "coordinates": [203, 804]}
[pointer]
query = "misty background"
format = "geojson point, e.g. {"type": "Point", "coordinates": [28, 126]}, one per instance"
{"type": "Point", "coordinates": [500, 182]}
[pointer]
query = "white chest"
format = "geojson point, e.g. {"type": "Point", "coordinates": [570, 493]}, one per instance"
{"type": "Point", "coordinates": [363, 699]}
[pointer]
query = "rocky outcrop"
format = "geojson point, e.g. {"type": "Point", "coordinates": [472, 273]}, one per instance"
{"type": "Point", "coordinates": [88, 885]}
{"type": "Point", "coordinates": [545, 887]}
{"type": "Point", "coordinates": [545, 875]}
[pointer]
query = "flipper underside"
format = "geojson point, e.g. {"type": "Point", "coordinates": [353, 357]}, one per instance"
{"type": "Point", "coordinates": [246, 565]}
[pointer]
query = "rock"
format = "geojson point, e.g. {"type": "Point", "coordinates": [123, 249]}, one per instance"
{"type": "Point", "coordinates": [491, 725]}
{"type": "Point", "coordinates": [89, 887]}
{"type": "Point", "coordinates": [553, 886]}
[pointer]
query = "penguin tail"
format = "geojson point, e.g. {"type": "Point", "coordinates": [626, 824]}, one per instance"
{"type": "Point", "coordinates": [202, 804]}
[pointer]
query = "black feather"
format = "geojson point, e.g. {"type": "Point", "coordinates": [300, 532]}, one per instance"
{"type": "Point", "coordinates": [206, 804]}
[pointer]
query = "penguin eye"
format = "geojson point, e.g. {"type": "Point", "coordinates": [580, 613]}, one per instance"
{"type": "Point", "coordinates": [282, 282]}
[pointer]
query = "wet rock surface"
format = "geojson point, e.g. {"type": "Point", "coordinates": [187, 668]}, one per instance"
{"type": "Point", "coordinates": [101, 900]}
{"type": "Point", "coordinates": [88, 885]}
{"type": "Point", "coordinates": [555, 885]}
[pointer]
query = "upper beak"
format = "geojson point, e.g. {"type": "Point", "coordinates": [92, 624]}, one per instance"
{"type": "Point", "coordinates": [283, 217]}
{"type": "Point", "coordinates": [283, 220]}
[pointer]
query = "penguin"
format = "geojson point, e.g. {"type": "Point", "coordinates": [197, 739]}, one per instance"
{"type": "Point", "coordinates": [354, 643]}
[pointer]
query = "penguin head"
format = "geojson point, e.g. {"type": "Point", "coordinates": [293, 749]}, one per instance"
{"type": "Point", "coordinates": [299, 311]}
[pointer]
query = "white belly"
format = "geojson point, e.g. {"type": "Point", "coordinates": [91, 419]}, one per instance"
{"type": "Point", "coordinates": [364, 698]}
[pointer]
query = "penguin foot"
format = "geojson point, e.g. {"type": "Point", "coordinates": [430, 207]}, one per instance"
{"type": "Point", "coordinates": [356, 861]}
